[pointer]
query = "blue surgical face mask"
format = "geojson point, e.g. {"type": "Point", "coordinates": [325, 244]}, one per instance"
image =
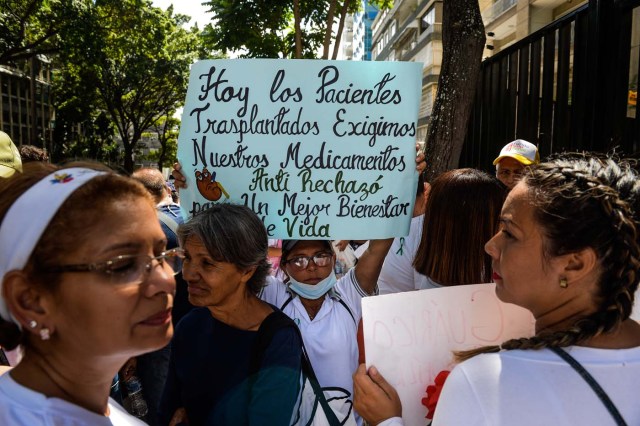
{"type": "Point", "coordinates": [313, 292]}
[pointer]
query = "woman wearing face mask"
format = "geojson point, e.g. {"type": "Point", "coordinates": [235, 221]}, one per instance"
{"type": "Point", "coordinates": [327, 310]}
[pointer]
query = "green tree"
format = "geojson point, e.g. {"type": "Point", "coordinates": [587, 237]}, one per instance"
{"type": "Point", "coordinates": [36, 27]}
{"type": "Point", "coordinates": [134, 65]}
{"type": "Point", "coordinates": [92, 139]}
{"type": "Point", "coordinates": [276, 28]}
{"type": "Point", "coordinates": [166, 127]}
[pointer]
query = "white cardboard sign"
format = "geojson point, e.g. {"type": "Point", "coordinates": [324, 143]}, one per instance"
{"type": "Point", "coordinates": [410, 336]}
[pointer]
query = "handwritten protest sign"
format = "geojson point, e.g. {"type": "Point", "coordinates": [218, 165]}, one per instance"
{"type": "Point", "coordinates": [409, 336]}
{"type": "Point", "coordinates": [318, 149]}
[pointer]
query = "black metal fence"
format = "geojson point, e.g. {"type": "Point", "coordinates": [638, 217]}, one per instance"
{"type": "Point", "coordinates": [566, 87]}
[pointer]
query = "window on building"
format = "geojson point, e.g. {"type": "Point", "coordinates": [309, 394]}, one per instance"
{"type": "Point", "coordinates": [428, 19]}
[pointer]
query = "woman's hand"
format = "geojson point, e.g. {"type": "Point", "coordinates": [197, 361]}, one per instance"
{"type": "Point", "coordinates": [179, 418]}
{"type": "Point", "coordinates": [373, 398]}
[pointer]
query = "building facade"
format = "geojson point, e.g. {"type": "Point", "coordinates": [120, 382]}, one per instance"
{"type": "Point", "coordinates": [362, 33]}
{"type": "Point", "coordinates": [507, 21]}
{"type": "Point", "coordinates": [412, 31]}
{"type": "Point", "coordinates": [355, 43]}
{"type": "Point", "coordinates": [27, 114]}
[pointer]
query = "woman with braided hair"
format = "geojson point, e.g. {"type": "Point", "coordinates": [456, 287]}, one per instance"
{"type": "Point", "coordinates": [568, 251]}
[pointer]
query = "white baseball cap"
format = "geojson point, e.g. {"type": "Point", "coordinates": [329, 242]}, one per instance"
{"type": "Point", "coordinates": [521, 150]}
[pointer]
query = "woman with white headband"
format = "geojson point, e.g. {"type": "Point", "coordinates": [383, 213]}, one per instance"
{"type": "Point", "coordinates": [86, 283]}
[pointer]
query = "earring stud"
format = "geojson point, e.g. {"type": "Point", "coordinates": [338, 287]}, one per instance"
{"type": "Point", "coordinates": [33, 324]}
{"type": "Point", "coordinates": [45, 334]}
{"type": "Point", "coordinates": [563, 283]}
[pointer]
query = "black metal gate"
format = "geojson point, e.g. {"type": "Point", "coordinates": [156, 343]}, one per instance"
{"type": "Point", "coordinates": [567, 87]}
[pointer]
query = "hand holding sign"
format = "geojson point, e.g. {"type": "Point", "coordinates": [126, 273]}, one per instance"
{"type": "Point", "coordinates": [374, 398]}
{"type": "Point", "coordinates": [409, 337]}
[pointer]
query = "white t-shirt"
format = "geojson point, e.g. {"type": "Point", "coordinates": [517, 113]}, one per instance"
{"type": "Point", "coordinates": [21, 406]}
{"type": "Point", "coordinates": [330, 339]}
{"type": "Point", "coordinates": [422, 282]}
{"type": "Point", "coordinates": [397, 272]}
{"type": "Point", "coordinates": [536, 387]}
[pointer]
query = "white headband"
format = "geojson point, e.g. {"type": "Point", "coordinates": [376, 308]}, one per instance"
{"type": "Point", "coordinates": [28, 218]}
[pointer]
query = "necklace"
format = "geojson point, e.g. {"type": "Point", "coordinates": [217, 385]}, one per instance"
{"type": "Point", "coordinates": [312, 310]}
{"type": "Point", "coordinates": [311, 314]}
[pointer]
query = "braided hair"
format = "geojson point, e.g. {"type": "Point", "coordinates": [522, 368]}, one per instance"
{"type": "Point", "coordinates": [581, 201]}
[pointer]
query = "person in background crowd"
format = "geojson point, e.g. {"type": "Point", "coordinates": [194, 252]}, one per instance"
{"type": "Point", "coordinates": [326, 309]}
{"type": "Point", "coordinates": [30, 153]}
{"type": "Point", "coordinates": [513, 159]}
{"type": "Point", "coordinates": [274, 254]}
{"type": "Point", "coordinates": [10, 161]}
{"type": "Point", "coordinates": [86, 284]}
{"type": "Point", "coordinates": [461, 215]}
{"type": "Point", "coordinates": [152, 368]}
{"type": "Point", "coordinates": [397, 272]}
{"type": "Point", "coordinates": [568, 251]}
{"type": "Point", "coordinates": [168, 211]}
{"type": "Point", "coordinates": [212, 378]}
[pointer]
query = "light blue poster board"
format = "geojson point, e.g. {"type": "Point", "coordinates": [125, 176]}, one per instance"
{"type": "Point", "coordinates": [318, 149]}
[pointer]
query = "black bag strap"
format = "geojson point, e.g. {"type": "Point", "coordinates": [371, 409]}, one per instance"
{"type": "Point", "coordinates": [343, 303]}
{"type": "Point", "coordinates": [593, 383]}
{"type": "Point", "coordinates": [307, 368]}
{"type": "Point", "coordinates": [286, 302]}
{"type": "Point", "coordinates": [272, 324]}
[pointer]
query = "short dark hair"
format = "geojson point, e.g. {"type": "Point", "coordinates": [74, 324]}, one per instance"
{"type": "Point", "coordinates": [153, 180]}
{"type": "Point", "coordinates": [232, 233]}
{"type": "Point", "coordinates": [30, 153]}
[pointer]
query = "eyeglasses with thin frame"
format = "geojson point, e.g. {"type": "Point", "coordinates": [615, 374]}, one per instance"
{"type": "Point", "coordinates": [128, 269]}
{"type": "Point", "coordinates": [302, 262]}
